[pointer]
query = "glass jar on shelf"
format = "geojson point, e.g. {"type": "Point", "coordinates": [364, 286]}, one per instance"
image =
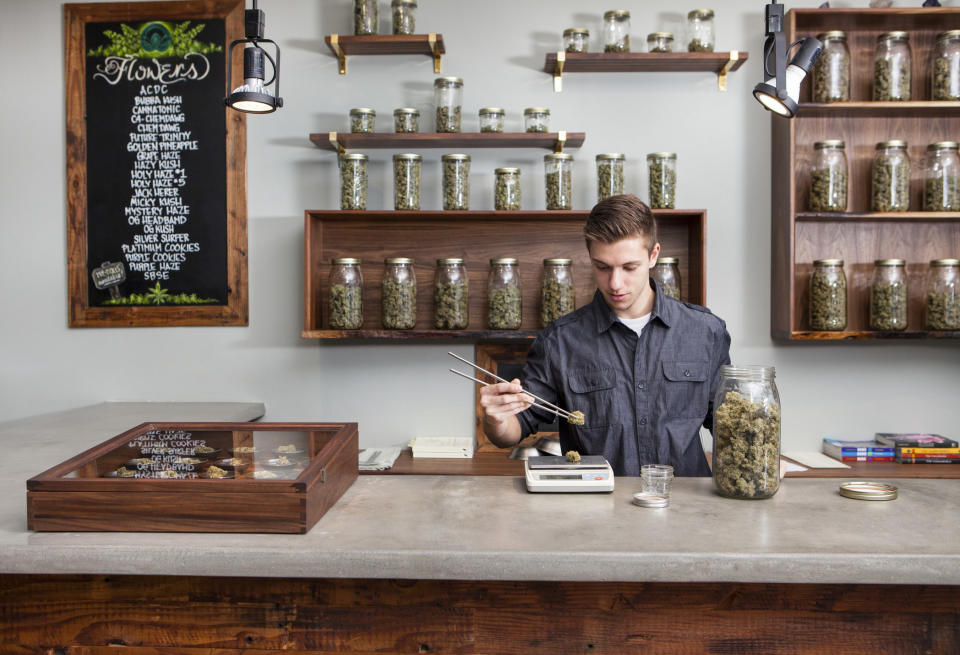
{"type": "Point", "coordinates": [616, 31]}
{"type": "Point", "coordinates": [888, 295]}
{"type": "Point", "coordinates": [890, 177]}
{"type": "Point", "coordinates": [576, 39]}
{"type": "Point", "coordinates": [504, 298]}
{"type": "Point", "coordinates": [506, 189]}
{"type": "Point", "coordinates": [667, 274]}
{"type": "Point", "coordinates": [536, 119]}
{"type": "Point", "coordinates": [746, 433]}
{"type": "Point", "coordinates": [663, 179]}
{"type": "Point", "coordinates": [941, 178]}
{"type": "Point", "coordinates": [399, 294]}
{"type": "Point", "coordinates": [406, 120]}
{"type": "Point", "coordinates": [556, 290]}
{"type": "Point", "coordinates": [448, 98]}
{"type": "Point", "coordinates": [891, 67]}
{"type": "Point", "coordinates": [558, 179]}
{"type": "Point", "coordinates": [828, 177]}
{"type": "Point", "coordinates": [609, 175]}
{"type": "Point", "coordinates": [346, 294]}
{"type": "Point", "coordinates": [456, 181]}
{"type": "Point", "coordinates": [828, 295]}
{"type": "Point", "coordinates": [362, 120]}
{"type": "Point", "coordinates": [700, 31]}
{"type": "Point", "coordinates": [404, 16]}
{"type": "Point", "coordinates": [365, 17]}
{"type": "Point", "coordinates": [660, 42]}
{"type": "Point", "coordinates": [491, 119]}
{"type": "Point", "coordinates": [406, 180]}
{"type": "Point", "coordinates": [450, 295]}
{"type": "Point", "coordinates": [353, 181]}
{"type": "Point", "coordinates": [942, 308]}
{"type": "Point", "coordinates": [831, 72]}
{"type": "Point", "coordinates": [945, 72]}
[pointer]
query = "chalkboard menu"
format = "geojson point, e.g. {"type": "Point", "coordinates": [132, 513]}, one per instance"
{"type": "Point", "coordinates": [156, 207]}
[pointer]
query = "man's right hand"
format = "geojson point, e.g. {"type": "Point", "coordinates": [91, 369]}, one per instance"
{"type": "Point", "coordinates": [500, 404]}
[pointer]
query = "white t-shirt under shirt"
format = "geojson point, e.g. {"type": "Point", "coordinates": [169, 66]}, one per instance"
{"type": "Point", "coordinates": [636, 324]}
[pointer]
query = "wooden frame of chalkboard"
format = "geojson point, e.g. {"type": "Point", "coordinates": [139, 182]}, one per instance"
{"type": "Point", "coordinates": [156, 165]}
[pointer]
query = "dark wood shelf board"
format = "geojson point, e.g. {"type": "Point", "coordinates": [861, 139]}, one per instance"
{"type": "Point", "coordinates": [880, 109]}
{"type": "Point", "coordinates": [422, 335]}
{"type": "Point", "coordinates": [386, 44]}
{"type": "Point", "coordinates": [350, 140]}
{"type": "Point", "coordinates": [877, 217]}
{"type": "Point", "coordinates": [644, 62]}
{"type": "Point", "coordinates": [864, 335]}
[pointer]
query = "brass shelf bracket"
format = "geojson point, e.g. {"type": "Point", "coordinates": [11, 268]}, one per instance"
{"type": "Point", "coordinates": [561, 140]}
{"type": "Point", "coordinates": [341, 57]}
{"type": "Point", "coordinates": [722, 75]}
{"type": "Point", "coordinates": [335, 142]}
{"type": "Point", "coordinates": [435, 49]}
{"type": "Point", "coordinates": [558, 72]}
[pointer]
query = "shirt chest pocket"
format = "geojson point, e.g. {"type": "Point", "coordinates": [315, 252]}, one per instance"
{"type": "Point", "coordinates": [686, 388]}
{"type": "Point", "coordinates": [593, 392]}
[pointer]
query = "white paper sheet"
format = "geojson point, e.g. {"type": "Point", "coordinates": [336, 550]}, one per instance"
{"type": "Point", "coordinates": [815, 460]}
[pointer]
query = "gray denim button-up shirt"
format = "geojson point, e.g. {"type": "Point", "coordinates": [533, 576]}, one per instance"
{"type": "Point", "coordinates": [644, 398]}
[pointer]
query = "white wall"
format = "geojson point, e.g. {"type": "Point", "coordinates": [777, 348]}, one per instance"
{"type": "Point", "coordinates": [400, 391]}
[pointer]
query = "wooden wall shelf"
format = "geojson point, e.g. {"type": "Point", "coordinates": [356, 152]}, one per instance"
{"type": "Point", "coordinates": [800, 236]}
{"type": "Point", "coordinates": [340, 141]}
{"type": "Point", "coordinates": [386, 44]}
{"type": "Point", "coordinates": [720, 63]}
{"type": "Point", "coordinates": [477, 236]}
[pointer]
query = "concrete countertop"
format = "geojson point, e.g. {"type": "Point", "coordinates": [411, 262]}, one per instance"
{"type": "Point", "coordinates": [449, 527]}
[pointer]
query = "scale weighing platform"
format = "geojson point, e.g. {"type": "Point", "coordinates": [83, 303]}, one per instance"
{"type": "Point", "coordinates": [592, 474]}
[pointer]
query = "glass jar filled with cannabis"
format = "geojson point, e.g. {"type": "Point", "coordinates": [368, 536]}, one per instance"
{"type": "Point", "coordinates": [943, 295]}
{"type": "Point", "coordinates": [406, 180]}
{"type": "Point", "coordinates": [831, 72]}
{"type": "Point", "coordinates": [448, 98]}
{"type": "Point", "coordinates": [362, 120]}
{"type": "Point", "coordinates": [506, 188]}
{"type": "Point", "coordinates": [663, 179]}
{"type": "Point", "coordinates": [746, 433]}
{"type": "Point", "coordinates": [828, 177]}
{"type": "Point", "coordinates": [491, 119]}
{"type": "Point", "coordinates": [450, 298]}
{"type": "Point", "coordinates": [890, 177]}
{"type": "Point", "coordinates": [660, 42]}
{"type": "Point", "coordinates": [828, 295]}
{"type": "Point", "coordinates": [891, 67]}
{"type": "Point", "coordinates": [558, 179]}
{"type": "Point", "coordinates": [576, 39]}
{"type": "Point", "coordinates": [536, 119]}
{"type": "Point", "coordinates": [365, 17]}
{"type": "Point", "coordinates": [456, 181]}
{"type": "Point", "coordinates": [556, 290]}
{"type": "Point", "coordinates": [941, 178]}
{"type": "Point", "coordinates": [404, 16]}
{"type": "Point", "coordinates": [700, 31]}
{"type": "Point", "coordinates": [346, 294]}
{"type": "Point", "coordinates": [406, 120]}
{"type": "Point", "coordinates": [945, 69]}
{"type": "Point", "coordinates": [616, 31]}
{"type": "Point", "coordinates": [353, 181]}
{"type": "Point", "coordinates": [609, 175]}
{"type": "Point", "coordinates": [399, 294]}
{"type": "Point", "coordinates": [667, 274]}
{"type": "Point", "coordinates": [504, 300]}
{"type": "Point", "coordinates": [888, 295]}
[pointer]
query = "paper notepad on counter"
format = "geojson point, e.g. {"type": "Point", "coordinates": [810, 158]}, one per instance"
{"type": "Point", "coordinates": [443, 447]}
{"type": "Point", "coordinates": [815, 460]}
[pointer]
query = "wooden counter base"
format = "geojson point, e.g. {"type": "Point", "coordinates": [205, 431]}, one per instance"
{"type": "Point", "coordinates": [152, 615]}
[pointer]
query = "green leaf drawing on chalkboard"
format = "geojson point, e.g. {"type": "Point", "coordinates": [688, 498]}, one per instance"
{"type": "Point", "coordinates": [151, 297]}
{"type": "Point", "coordinates": [155, 39]}
{"type": "Point", "coordinates": [157, 295]}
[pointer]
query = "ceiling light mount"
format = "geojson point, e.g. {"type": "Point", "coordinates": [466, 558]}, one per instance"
{"type": "Point", "coordinates": [254, 95]}
{"type": "Point", "coordinates": [780, 92]}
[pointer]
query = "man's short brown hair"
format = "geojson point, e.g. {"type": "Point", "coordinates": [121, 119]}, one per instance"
{"type": "Point", "coordinates": [620, 217]}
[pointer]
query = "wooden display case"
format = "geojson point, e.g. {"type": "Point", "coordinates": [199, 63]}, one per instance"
{"type": "Point", "coordinates": [860, 236]}
{"type": "Point", "coordinates": [160, 477]}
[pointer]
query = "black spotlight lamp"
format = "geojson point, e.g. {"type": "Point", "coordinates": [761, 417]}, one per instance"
{"type": "Point", "coordinates": [780, 92]}
{"type": "Point", "coordinates": [254, 96]}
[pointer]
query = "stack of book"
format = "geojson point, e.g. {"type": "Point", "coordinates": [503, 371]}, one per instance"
{"type": "Point", "coordinates": [921, 448]}
{"type": "Point", "coordinates": [858, 451]}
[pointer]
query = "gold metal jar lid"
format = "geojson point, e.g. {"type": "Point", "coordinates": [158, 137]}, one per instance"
{"type": "Point", "coordinates": [354, 156]}
{"type": "Point", "coordinates": [507, 170]}
{"type": "Point", "coordinates": [363, 111]}
{"type": "Point", "coordinates": [700, 14]}
{"type": "Point", "coordinates": [407, 156]}
{"type": "Point", "coordinates": [944, 145]}
{"type": "Point", "coordinates": [890, 262]}
{"type": "Point", "coordinates": [945, 262]}
{"type": "Point", "coordinates": [536, 110]}
{"type": "Point", "coordinates": [662, 155]}
{"type": "Point", "coordinates": [398, 260]}
{"type": "Point", "coordinates": [455, 157]}
{"type": "Point", "coordinates": [949, 34]}
{"type": "Point", "coordinates": [347, 260]}
{"type": "Point", "coordinates": [660, 35]}
{"type": "Point", "coordinates": [401, 3]}
{"type": "Point", "coordinates": [668, 260]}
{"type": "Point", "coordinates": [616, 13]}
{"type": "Point", "coordinates": [570, 31]}
{"type": "Point", "coordinates": [892, 143]}
{"type": "Point", "coordinates": [833, 34]}
{"type": "Point", "coordinates": [828, 262]}
{"type": "Point", "coordinates": [829, 143]}
{"type": "Point", "coordinates": [863, 490]}
{"type": "Point", "coordinates": [491, 110]}
{"type": "Point", "coordinates": [611, 155]}
{"type": "Point", "coordinates": [450, 261]}
{"type": "Point", "coordinates": [563, 156]}
{"type": "Point", "coordinates": [406, 110]}
{"type": "Point", "coordinates": [898, 34]}
{"type": "Point", "coordinates": [512, 261]}
{"type": "Point", "coordinates": [557, 261]}
{"type": "Point", "coordinates": [444, 81]}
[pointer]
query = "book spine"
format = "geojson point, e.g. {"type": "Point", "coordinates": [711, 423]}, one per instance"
{"type": "Point", "coordinates": [867, 458]}
{"type": "Point", "coordinates": [906, 450]}
{"type": "Point", "coordinates": [869, 451]}
{"type": "Point", "coordinates": [928, 460]}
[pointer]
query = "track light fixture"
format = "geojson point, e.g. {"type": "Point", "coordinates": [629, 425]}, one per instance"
{"type": "Point", "coordinates": [780, 92]}
{"type": "Point", "coordinates": [253, 96]}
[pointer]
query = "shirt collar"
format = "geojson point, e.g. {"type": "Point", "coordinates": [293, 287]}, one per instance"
{"type": "Point", "coordinates": [605, 318]}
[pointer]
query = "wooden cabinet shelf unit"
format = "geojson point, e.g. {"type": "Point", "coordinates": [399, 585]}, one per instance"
{"type": "Point", "coordinates": [476, 236]}
{"type": "Point", "coordinates": [386, 44]}
{"type": "Point", "coordinates": [340, 141]}
{"type": "Point", "coordinates": [800, 236]}
{"type": "Point", "coordinates": [720, 63]}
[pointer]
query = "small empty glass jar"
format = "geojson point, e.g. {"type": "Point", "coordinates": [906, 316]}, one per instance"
{"type": "Point", "coordinates": [404, 16]}
{"type": "Point", "coordinates": [558, 180]}
{"type": "Point", "coordinates": [828, 177]}
{"type": "Point", "coordinates": [667, 274]}
{"type": "Point", "coordinates": [504, 298]}
{"type": "Point", "coordinates": [890, 177]}
{"type": "Point", "coordinates": [491, 119]}
{"type": "Point", "coordinates": [406, 120]}
{"type": "Point", "coordinates": [448, 98]}
{"type": "Point", "coordinates": [700, 31]}
{"type": "Point", "coordinates": [353, 181]}
{"type": "Point", "coordinates": [450, 297]}
{"type": "Point", "coordinates": [556, 290]}
{"type": "Point", "coordinates": [456, 181]}
{"type": "Point", "coordinates": [616, 31]}
{"type": "Point", "coordinates": [365, 17]}
{"type": "Point", "coordinates": [399, 294]}
{"type": "Point", "coordinates": [660, 42]}
{"type": "Point", "coordinates": [888, 295]}
{"type": "Point", "coordinates": [655, 479]}
{"type": "Point", "coordinates": [891, 67]}
{"type": "Point", "coordinates": [506, 189]}
{"type": "Point", "coordinates": [663, 179]}
{"type": "Point", "coordinates": [941, 178]}
{"type": "Point", "coordinates": [362, 120]}
{"type": "Point", "coordinates": [945, 69]}
{"type": "Point", "coordinates": [406, 181]}
{"type": "Point", "coordinates": [828, 295]}
{"type": "Point", "coordinates": [536, 119]}
{"type": "Point", "coordinates": [346, 294]}
{"type": "Point", "coordinates": [609, 175]}
{"type": "Point", "coordinates": [576, 39]}
{"type": "Point", "coordinates": [942, 309]}
{"type": "Point", "coordinates": [831, 71]}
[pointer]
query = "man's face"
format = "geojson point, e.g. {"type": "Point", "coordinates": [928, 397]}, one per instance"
{"type": "Point", "coordinates": [622, 273]}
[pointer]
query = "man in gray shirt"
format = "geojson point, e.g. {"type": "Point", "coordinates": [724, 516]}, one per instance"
{"type": "Point", "coordinates": [641, 366]}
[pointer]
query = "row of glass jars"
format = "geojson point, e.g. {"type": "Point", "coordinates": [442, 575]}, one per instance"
{"type": "Point", "coordinates": [892, 64]}
{"type": "Point", "coordinates": [888, 295]}
{"type": "Point", "coordinates": [366, 17]}
{"type": "Point", "coordinates": [407, 120]}
{"type": "Point", "coordinates": [889, 177]}
{"type": "Point", "coordinates": [616, 34]}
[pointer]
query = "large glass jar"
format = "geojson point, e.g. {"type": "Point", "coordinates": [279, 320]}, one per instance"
{"type": "Point", "coordinates": [667, 274]}
{"type": "Point", "coordinates": [891, 67]}
{"type": "Point", "coordinates": [558, 180]}
{"type": "Point", "coordinates": [576, 39]}
{"type": "Point", "coordinates": [399, 294]}
{"type": "Point", "coordinates": [556, 290]}
{"type": "Point", "coordinates": [404, 16]}
{"type": "Point", "coordinates": [504, 298]}
{"type": "Point", "coordinates": [406, 120]}
{"type": "Point", "coordinates": [491, 119]}
{"type": "Point", "coordinates": [609, 175]}
{"type": "Point", "coordinates": [353, 181]}
{"type": "Point", "coordinates": [450, 298]}
{"type": "Point", "coordinates": [616, 31]}
{"type": "Point", "coordinates": [700, 31]}
{"type": "Point", "coordinates": [448, 98]}
{"type": "Point", "coordinates": [536, 119]}
{"type": "Point", "coordinates": [941, 178]}
{"type": "Point", "coordinates": [406, 180]}
{"type": "Point", "coordinates": [362, 120]}
{"type": "Point", "coordinates": [346, 294]}
{"type": "Point", "coordinates": [663, 179]}
{"type": "Point", "coordinates": [506, 189]}
{"type": "Point", "coordinates": [890, 177]}
{"type": "Point", "coordinates": [746, 433]}
{"type": "Point", "coordinates": [456, 181]}
{"type": "Point", "coordinates": [943, 295]}
{"type": "Point", "coordinates": [831, 72]}
{"type": "Point", "coordinates": [828, 295]}
{"type": "Point", "coordinates": [365, 17]}
{"type": "Point", "coordinates": [888, 295]}
{"type": "Point", "coordinates": [945, 73]}
{"type": "Point", "coordinates": [828, 177]}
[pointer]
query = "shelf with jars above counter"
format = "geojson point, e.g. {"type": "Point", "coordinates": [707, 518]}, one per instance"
{"type": "Point", "coordinates": [718, 63]}
{"type": "Point", "coordinates": [343, 46]}
{"type": "Point", "coordinates": [476, 236]}
{"type": "Point", "coordinates": [341, 141]}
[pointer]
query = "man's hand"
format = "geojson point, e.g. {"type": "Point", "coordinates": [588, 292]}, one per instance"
{"type": "Point", "coordinates": [500, 404]}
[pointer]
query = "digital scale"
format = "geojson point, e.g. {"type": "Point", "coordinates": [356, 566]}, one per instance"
{"type": "Point", "coordinates": [592, 474]}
